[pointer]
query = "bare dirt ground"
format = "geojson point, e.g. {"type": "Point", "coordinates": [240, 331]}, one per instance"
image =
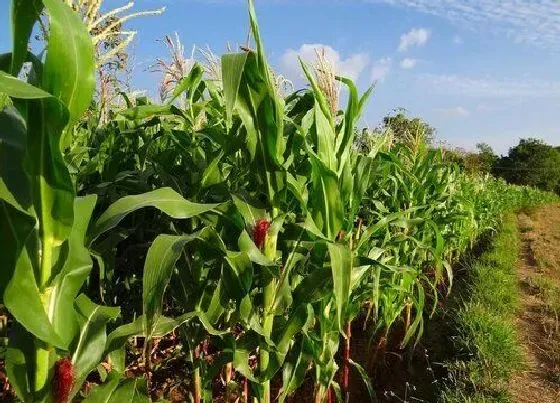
{"type": "Point", "coordinates": [537, 320]}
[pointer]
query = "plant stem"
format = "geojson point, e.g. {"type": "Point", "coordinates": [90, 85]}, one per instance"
{"type": "Point", "coordinates": [42, 353]}
{"type": "Point", "coordinates": [319, 392]}
{"type": "Point", "coordinates": [197, 384]}
{"type": "Point", "coordinates": [345, 384]}
{"type": "Point", "coordinates": [228, 374]}
{"type": "Point", "coordinates": [269, 251]}
{"type": "Point", "coordinates": [246, 390]}
{"type": "Point", "coordinates": [267, 327]}
{"type": "Point", "coordinates": [147, 359]}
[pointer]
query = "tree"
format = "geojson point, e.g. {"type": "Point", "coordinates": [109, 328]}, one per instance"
{"type": "Point", "coordinates": [408, 130]}
{"type": "Point", "coordinates": [482, 161]}
{"type": "Point", "coordinates": [532, 162]}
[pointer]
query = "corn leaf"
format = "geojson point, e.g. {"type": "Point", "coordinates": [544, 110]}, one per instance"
{"type": "Point", "coordinates": [25, 303]}
{"type": "Point", "coordinates": [341, 265]}
{"type": "Point", "coordinates": [159, 265]}
{"type": "Point", "coordinates": [165, 199]}
{"type": "Point", "coordinates": [88, 351]}
{"type": "Point", "coordinates": [232, 69]}
{"type": "Point", "coordinates": [69, 72]}
{"type": "Point", "coordinates": [131, 391]}
{"type": "Point", "coordinates": [102, 393]}
{"type": "Point", "coordinates": [75, 271]}
{"type": "Point", "coordinates": [25, 14]}
{"type": "Point", "coordinates": [20, 356]}
{"type": "Point", "coordinates": [16, 88]}
{"type": "Point", "coordinates": [326, 203]}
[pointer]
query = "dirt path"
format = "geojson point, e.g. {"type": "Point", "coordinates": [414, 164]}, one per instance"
{"type": "Point", "coordinates": [537, 321]}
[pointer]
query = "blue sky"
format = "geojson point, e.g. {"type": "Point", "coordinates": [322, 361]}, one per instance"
{"type": "Point", "coordinates": [477, 70]}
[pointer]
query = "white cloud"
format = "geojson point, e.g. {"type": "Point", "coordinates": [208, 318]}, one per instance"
{"type": "Point", "coordinates": [491, 88]}
{"type": "Point", "coordinates": [351, 67]}
{"type": "Point", "coordinates": [408, 64]}
{"type": "Point", "coordinates": [457, 40]}
{"type": "Point", "coordinates": [534, 22]}
{"type": "Point", "coordinates": [381, 69]}
{"type": "Point", "coordinates": [415, 37]}
{"type": "Point", "coordinates": [457, 112]}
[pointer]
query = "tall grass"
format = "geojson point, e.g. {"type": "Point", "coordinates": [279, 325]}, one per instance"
{"type": "Point", "coordinates": [485, 338]}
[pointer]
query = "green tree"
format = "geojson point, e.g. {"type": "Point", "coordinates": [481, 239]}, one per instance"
{"type": "Point", "coordinates": [483, 160]}
{"type": "Point", "coordinates": [408, 130]}
{"type": "Point", "coordinates": [532, 162]}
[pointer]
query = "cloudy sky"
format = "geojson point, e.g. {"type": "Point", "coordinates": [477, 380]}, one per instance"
{"type": "Point", "coordinates": [477, 70]}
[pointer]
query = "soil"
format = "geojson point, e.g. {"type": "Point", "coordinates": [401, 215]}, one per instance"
{"type": "Point", "coordinates": [539, 380]}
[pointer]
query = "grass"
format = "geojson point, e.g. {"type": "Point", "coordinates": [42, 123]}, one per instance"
{"type": "Point", "coordinates": [485, 338]}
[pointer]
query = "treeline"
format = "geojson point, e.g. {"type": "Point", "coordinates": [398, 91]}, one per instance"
{"type": "Point", "coordinates": [532, 162]}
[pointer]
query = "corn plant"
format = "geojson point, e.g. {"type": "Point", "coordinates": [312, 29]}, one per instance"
{"type": "Point", "coordinates": [57, 335]}
{"type": "Point", "coordinates": [251, 224]}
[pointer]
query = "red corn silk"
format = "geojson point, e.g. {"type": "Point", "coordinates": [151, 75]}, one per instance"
{"type": "Point", "coordinates": [260, 230]}
{"type": "Point", "coordinates": [63, 380]}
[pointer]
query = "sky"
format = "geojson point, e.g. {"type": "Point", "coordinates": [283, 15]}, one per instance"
{"type": "Point", "coordinates": [477, 70]}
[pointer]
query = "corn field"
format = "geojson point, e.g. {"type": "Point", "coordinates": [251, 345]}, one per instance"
{"type": "Point", "coordinates": [243, 223]}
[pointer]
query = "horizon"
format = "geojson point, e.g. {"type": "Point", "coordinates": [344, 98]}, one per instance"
{"type": "Point", "coordinates": [475, 71]}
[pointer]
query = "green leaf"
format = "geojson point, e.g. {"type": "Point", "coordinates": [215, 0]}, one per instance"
{"type": "Point", "coordinates": [25, 303]}
{"type": "Point", "coordinates": [296, 323]}
{"type": "Point", "coordinates": [16, 227]}
{"type": "Point", "coordinates": [159, 265]}
{"type": "Point", "coordinates": [365, 378]}
{"type": "Point", "coordinates": [249, 208]}
{"type": "Point", "coordinates": [212, 174]}
{"type": "Point", "coordinates": [232, 69]}
{"type": "Point", "coordinates": [16, 217]}
{"type": "Point", "coordinates": [295, 368]}
{"type": "Point", "coordinates": [158, 268]}
{"type": "Point", "coordinates": [314, 286]}
{"type": "Point", "coordinates": [326, 203]}
{"type": "Point", "coordinates": [164, 199]}
{"type": "Point", "coordinates": [88, 350]}
{"type": "Point", "coordinates": [131, 391]}
{"type": "Point", "coordinates": [351, 116]}
{"type": "Point", "coordinates": [324, 138]}
{"type": "Point", "coordinates": [270, 110]}
{"type": "Point", "coordinates": [341, 264]}
{"type": "Point", "coordinates": [238, 275]}
{"type": "Point", "coordinates": [69, 72]}
{"type": "Point", "coordinates": [20, 357]}
{"type": "Point", "coordinates": [247, 245]}
{"type": "Point", "coordinates": [362, 173]}
{"type": "Point", "coordinates": [149, 111]}
{"type": "Point", "coordinates": [14, 183]}
{"type": "Point", "coordinates": [161, 326]}
{"type": "Point", "coordinates": [417, 324]}
{"type": "Point", "coordinates": [102, 393]}
{"type": "Point", "coordinates": [259, 106]}
{"type": "Point", "coordinates": [18, 89]}
{"type": "Point", "coordinates": [52, 187]}
{"type": "Point", "coordinates": [118, 337]}
{"type": "Point", "coordinates": [24, 15]}
{"type": "Point", "coordinates": [75, 271]}
{"type": "Point", "coordinates": [189, 84]}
